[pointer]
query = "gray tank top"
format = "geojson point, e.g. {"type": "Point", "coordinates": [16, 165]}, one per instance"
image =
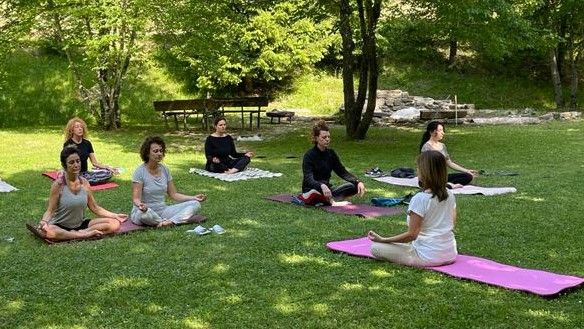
{"type": "Point", "coordinates": [71, 208]}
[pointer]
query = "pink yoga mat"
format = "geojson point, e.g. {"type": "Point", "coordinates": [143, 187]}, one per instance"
{"type": "Point", "coordinates": [362, 210]}
{"type": "Point", "coordinates": [53, 175]}
{"type": "Point", "coordinates": [482, 270]}
{"type": "Point", "coordinates": [126, 227]}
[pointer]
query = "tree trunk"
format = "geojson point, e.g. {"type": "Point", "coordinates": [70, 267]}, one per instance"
{"type": "Point", "coordinates": [574, 80]}
{"type": "Point", "coordinates": [557, 81]}
{"type": "Point", "coordinates": [347, 49]}
{"type": "Point", "coordinates": [370, 50]}
{"type": "Point", "coordinates": [453, 51]}
{"type": "Point", "coordinates": [357, 123]}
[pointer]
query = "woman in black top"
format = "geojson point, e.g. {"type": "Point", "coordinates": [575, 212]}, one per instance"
{"type": "Point", "coordinates": [317, 166]}
{"type": "Point", "coordinates": [220, 151]}
{"type": "Point", "coordinates": [76, 134]}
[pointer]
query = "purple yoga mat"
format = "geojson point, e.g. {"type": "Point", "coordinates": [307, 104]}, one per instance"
{"type": "Point", "coordinates": [126, 227]}
{"type": "Point", "coordinates": [482, 270]}
{"type": "Point", "coordinates": [362, 210]}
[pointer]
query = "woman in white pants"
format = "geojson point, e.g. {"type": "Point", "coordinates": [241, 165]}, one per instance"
{"type": "Point", "coordinates": [429, 240]}
{"type": "Point", "coordinates": [152, 181]}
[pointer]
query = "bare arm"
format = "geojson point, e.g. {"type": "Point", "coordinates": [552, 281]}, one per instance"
{"type": "Point", "coordinates": [96, 163]}
{"type": "Point", "coordinates": [99, 210]}
{"type": "Point", "coordinates": [51, 204]}
{"type": "Point", "coordinates": [453, 218]}
{"type": "Point", "coordinates": [137, 196]}
{"type": "Point", "coordinates": [179, 197]}
{"type": "Point", "coordinates": [460, 168]}
{"type": "Point", "coordinates": [410, 235]}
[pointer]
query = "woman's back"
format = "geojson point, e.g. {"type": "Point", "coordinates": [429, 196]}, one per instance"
{"type": "Point", "coordinates": [435, 241]}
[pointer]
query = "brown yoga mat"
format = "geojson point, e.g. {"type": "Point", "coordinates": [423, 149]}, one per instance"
{"type": "Point", "coordinates": [126, 227]}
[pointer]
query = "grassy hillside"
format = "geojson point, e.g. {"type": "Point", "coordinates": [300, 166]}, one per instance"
{"type": "Point", "coordinates": [38, 90]}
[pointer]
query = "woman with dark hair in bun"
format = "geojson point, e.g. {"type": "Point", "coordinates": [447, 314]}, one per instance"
{"type": "Point", "coordinates": [318, 164]}
{"type": "Point", "coordinates": [222, 157]}
{"type": "Point", "coordinates": [431, 141]}
{"type": "Point", "coordinates": [70, 195]}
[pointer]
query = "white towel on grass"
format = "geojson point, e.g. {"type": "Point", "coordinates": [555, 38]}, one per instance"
{"type": "Point", "coordinates": [249, 173]}
{"type": "Point", "coordinates": [467, 189]}
{"type": "Point", "coordinates": [5, 187]}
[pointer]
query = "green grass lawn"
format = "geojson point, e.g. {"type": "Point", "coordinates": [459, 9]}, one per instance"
{"type": "Point", "coordinates": [271, 268]}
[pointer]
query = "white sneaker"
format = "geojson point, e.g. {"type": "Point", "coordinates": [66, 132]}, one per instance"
{"type": "Point", "coordinates": [218, 229]}
{"type": "Point", "coordinates": [199, 230]}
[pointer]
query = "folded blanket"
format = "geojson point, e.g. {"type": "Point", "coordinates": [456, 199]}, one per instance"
{"type": "Point", "coordinates": [104, 186]}
{"type": "Point", "coordinates": [481, 270]}
{"type": "Point", "coordinates": [249, 173]}
{"type": "Point", "coordinates": [467, 189]}
{"type": "Point", "coordinates": [126, 227]}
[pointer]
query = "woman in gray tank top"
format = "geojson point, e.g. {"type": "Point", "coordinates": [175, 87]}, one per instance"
{"type": "Point", "coordinates": [152, 181]}
{"type": "Point", "coordinates": [64, 218]}
{"type": "Point", "coordinates": [431, 141]}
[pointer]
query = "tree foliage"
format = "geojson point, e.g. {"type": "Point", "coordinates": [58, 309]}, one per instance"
{"type": "Point", "coordinates": [100, 40]}
{"type": "Point", "coordinates": [227, 43]}
{"type": "Point", "coordinates": [492, 28]}
{"type": "Point", "coordinates": [15, 20]}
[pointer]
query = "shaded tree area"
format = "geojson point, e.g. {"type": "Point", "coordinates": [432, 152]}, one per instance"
{"type": "Point", "coordinates": [243, 44]}
{"type": "Point", "coordinates": [245, 47]}
{"type": "Point", "coordinates": [508, 35]}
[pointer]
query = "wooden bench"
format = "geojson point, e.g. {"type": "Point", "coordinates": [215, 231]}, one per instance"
{"type": "Point", "coordinates": [210, 108]}
{"type": "Point", "coordinates": [251, 105]}
{"type": "Point", "coordinates": [182, 107]}
{"type": "Point", "coordinates": [280, 114]}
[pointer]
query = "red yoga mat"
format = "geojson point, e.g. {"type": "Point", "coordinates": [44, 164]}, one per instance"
{"type": "Point", "coordinates": [483, 270]}
{"type": "Point", "coordinates": [361, 210]}
{"type": "Point", "coordinates": [53, 175]}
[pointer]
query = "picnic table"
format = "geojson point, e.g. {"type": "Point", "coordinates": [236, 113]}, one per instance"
{"type": "Point", "coordinates": [209, 108]}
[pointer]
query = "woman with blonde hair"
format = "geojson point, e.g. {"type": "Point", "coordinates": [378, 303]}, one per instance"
{"type": "Point", "coordinates": [429, 239]}
{"type": "Point", "coordinates": [76, 134]}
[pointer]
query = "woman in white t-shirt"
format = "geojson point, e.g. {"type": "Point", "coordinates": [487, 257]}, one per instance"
{"type": "Point", "coordinates": [429, 240]}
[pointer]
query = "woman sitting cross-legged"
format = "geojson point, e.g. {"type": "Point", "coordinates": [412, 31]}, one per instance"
{"type": "Point", "coordinates": [318, 164]}
{"type": "Point", "coordinates": [76, 134]}
{"type": "Point", "coordinates": [152, 181]}
{"type": "Point", "coordinates": [70, 195]}
{"type": "Point", "coordinates": [220, 151]}
{"type": "Point", "coordinates": [431, 141]}
{"type": "Point", "coordinates": [429, 240]}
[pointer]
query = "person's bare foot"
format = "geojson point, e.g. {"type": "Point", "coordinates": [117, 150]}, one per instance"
{"type": "Point", "coordinates": [88, 233]}
{"type": "Point", "coordinates": [340, 203]}
{"type": "Point", "coordinates": [231, 171]}
{"type": "Point", "coordinates": [165, 223]}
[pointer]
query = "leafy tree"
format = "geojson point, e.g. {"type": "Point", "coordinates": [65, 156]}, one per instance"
{"type": "Point", "coordinates": [563, 22]}
{"type": "Point", "coordinates": [233, 42]}
{"type": "Point", "coordinates": [368, 11]}
{"type": "Point", "coordinates": [15, 21]}
{"type": "Point", "coordinates": [493, 28]}
{"type": "Point", "coordinates": [100, 40]}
